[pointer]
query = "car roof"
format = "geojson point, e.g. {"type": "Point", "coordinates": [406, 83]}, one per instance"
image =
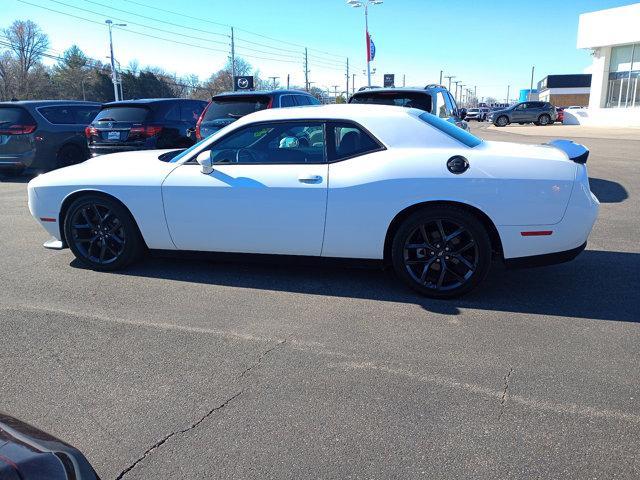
{"type": "Point", "coordinates": [150, 101]}
{"type": "Point", "coordinates": [42, 103]}
{"type": "Point", "coordinates": [377, 91]}
{"type": "Point", "coordinates": [346, 111]}
{"type": "Point", "coordinates": [261, 92]}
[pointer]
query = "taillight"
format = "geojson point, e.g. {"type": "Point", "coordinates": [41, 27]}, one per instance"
{"type": "Point", "coordinates": [146, 131]}
{"type": "Point", "coordinates": [270, 104]}
{"type": "Point", "coordinates": [199, 122]}
{"type": "Point", "coordinates": [19, 130]}
{"type": "Point", "coordinates": [90, 131]}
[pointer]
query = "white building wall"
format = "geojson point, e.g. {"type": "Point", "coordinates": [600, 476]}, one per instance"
{"type": "Point", "coordinates": [600, 31]}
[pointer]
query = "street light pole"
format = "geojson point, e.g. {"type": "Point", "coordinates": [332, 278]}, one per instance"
{"type": "Point", "coordinates": [449, 77]}
{"type": "Point", "coordinates": [274, 81]}
{"type": "Point", "coordinates": [114, 78]}
{"type": "Point", "coordinates": [365, 3]}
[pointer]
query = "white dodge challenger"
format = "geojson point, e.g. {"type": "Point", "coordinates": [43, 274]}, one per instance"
{"type": "Point", "coordinates": [352, 181]}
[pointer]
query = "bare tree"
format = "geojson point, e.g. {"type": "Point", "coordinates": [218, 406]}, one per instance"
{"type": "Point", "coordinates": [28, 43]}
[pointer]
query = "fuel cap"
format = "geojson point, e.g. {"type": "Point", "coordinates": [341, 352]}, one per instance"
{"type": "Point", "coordinates": [457, 164]}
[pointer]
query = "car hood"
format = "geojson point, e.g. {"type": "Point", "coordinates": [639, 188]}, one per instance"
{"type": "Point", "coordinates": [124, 168]}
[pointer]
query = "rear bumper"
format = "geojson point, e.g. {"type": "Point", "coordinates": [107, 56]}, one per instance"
{"type": "Point", "coordinates": [545, 259]}
{"type": "Point", "coordinates": [96, 151]}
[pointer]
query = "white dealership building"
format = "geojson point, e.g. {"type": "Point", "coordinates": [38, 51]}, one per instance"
{"type": "Point", "coordinates": [613, 36]}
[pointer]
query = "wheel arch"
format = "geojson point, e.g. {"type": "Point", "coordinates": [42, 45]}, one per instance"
{"type": "Point", "coordinates": [494, 236]}
{"type": "Point", "coordinates": [69, 199]}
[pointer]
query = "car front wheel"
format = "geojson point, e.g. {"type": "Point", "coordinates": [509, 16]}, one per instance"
{"type": "Point", "coordinates": [441, 252]}
{"type": "Point", "coordinates": [502, 121]}
{"type": "Point", "coordinates": [101, 233]}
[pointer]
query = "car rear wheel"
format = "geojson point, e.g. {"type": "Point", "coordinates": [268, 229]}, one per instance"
{"type": "Point", "coordinates": [502, 121]}
{"type": "Point", "coordinates": [69, 155]}
{"type": "Point", "coordinates": [544, 119]}
{"type": "Point", "coordinates": [101, 233]}
{"type": "Point", "coordinates": [441, 252]}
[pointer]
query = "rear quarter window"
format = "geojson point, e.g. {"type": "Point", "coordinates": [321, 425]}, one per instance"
{"type": "Point", "coordinates": [451, 130]}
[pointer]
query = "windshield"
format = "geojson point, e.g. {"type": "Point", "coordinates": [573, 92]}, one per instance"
{"type": "Point", "coordinates": [450, 129]}
{"type": "Point", "coordinates": [122, 114]}
{"type": "Point", "coordinates": [235, 107]}
{"type": "Point", "coordinates": [14, 115]}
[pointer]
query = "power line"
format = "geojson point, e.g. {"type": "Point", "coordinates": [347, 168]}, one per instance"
{"type": "Point", "coordinates": [158, 20]}
{"type": "Point", "coordinates": [180, 14]}
{"type": "Point", "coordinates": [138, 24]}
{"type": "Point", "coordinates": [124, 30]}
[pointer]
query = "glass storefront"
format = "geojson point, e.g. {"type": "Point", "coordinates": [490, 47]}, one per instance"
{"type": "Point", "coordinates": [624, 77]}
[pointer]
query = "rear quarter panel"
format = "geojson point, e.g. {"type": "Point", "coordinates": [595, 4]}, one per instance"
{"type": "Point", "coordinates": [513, 184]}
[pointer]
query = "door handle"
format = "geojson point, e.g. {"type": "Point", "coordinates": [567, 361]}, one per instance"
{"type": "Point", "coordinates": [309, 178]}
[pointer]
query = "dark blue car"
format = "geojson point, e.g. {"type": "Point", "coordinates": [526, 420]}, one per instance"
{"type": "Point", "coordinates": [41, 135]}
{"type": "Point", "coordinates": [147, 124]}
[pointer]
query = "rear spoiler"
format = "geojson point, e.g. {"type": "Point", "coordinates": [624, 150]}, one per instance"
{"type": "Point", "coordinates": [575, 151]}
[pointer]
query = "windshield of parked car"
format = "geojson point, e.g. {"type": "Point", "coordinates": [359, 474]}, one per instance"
{"type": "Point", "coordinates": [473, 110]}
{"type": "Point", "coordinates": [122, 114]}
{"type": "Point", "coordinates": [235, 107]}
{"type": "Point", "coordinates": [450, 129]}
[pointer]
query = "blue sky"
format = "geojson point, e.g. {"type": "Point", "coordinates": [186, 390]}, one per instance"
{"type": "Point", "coordinates": [489, 44]}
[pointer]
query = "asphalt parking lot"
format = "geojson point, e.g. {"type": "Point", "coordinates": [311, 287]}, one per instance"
{"type": "Point", "coordinates": [198, 369]}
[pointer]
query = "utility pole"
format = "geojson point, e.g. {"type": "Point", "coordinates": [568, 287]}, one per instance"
{"type": "Point", "coordinates": [347, 90]}
{"type": "Point", "coordinates": [455, 95]}
{"type": "Point", "coordinates": [114, 75]}
{"type": "Point", "coordinates": [306, 70]}
{"type": "Point", "coordinates": [233, 60]}
{"type": "Point", "coordinates": [288, 77]}
{"type": "Point", "coordinates": [449, 77]}
{"type": "Point", "coordinates": [440, 78]}
{"type": "Point", "coordinates": [508, 88]}
{"type": "Point", "coordinates": [274, 81]}
{"type": "Point", "coordinates": [533, 68]}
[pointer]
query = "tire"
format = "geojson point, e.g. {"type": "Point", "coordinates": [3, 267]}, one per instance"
{"type": "Point", "coordinates": [69, 155]}
{"type": "Point", "coordinates": [418, 252]}
{"type": "Point", "coordinates": [544, 120]}
{"type": "Point", "coordinates": [502, 121]}
{"type": "Point", "coordinates": [101, 233]}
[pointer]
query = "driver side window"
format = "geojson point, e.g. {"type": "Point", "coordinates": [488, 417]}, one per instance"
{"type": "Point", "coordinates": [272, 143]}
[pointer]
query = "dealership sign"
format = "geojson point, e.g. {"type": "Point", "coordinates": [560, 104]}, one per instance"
{"type": "Point", "coordinates": [389, 80]}
{"type": "Point", "coordinates": [243, 82]}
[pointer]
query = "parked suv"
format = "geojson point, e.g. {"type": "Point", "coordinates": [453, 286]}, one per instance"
{"type": "Point", "coordinates": [539, 113]}
{"type": "Point", "coordinates": [226, 108]}
{"type": "Point", "coordinates": [143, 125]}
{"type": "Point", "coordinates": [38, 136]}
{"type": "Point", "coordinates": [479, 114]}
{"type": "Point", "coordinates": [434, 99]}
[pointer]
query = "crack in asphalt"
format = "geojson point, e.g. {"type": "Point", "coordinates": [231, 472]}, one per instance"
{"type": "Point", "coordinates": [193, 425]}
{"type": "Point", "coordinates": [503, 399]}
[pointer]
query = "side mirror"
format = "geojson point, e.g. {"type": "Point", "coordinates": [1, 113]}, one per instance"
{"type": "Point", "coordinates": [205, 161]}
{"type": "Point", "coordinates": [462, 113]}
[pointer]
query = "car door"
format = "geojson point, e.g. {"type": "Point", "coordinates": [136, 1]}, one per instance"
{"type": "Point", "coordinates": [520, 113]}
{"type": "Point", "coordinates": [267, 192]}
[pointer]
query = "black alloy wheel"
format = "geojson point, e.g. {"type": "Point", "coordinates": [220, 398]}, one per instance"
{"type": "Point", "coordinates": [502, 121]}
{"type": "Point", "coordinates": [101, 233]}
{"type": "Point", "coordinates": [442, 252]}
{"type": "Point", "coordinates": [544, 119]}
